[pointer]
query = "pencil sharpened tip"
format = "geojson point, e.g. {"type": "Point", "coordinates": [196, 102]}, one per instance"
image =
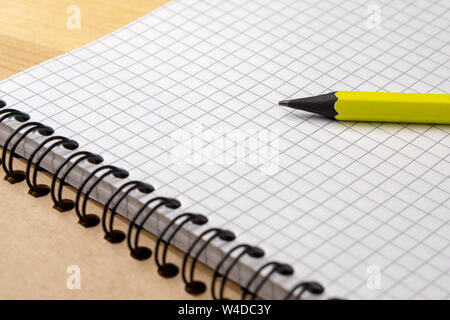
{"type": "Point", "coordinates": [284, 103]}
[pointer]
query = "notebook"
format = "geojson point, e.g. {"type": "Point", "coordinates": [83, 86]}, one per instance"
{"type": "Point", "coordinates": [185, 99]}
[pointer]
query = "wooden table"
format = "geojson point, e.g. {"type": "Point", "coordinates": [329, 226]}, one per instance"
{"type": "Point", "coordinates": [33, 31]}
{"type": "Point", "coordinates": [37, 243]}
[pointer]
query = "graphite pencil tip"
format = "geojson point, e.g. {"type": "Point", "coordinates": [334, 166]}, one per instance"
{"type": "Point", "coordinates": [322, 104]}
{"type": "Point", "coordinates": [284, 103]}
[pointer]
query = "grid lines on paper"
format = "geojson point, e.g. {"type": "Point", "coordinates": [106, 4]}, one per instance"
{"type": "Point", "coordinates": [345, 194]}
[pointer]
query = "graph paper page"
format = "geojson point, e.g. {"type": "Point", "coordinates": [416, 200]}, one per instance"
{"type": "Point", "coordinates": [186, 99]}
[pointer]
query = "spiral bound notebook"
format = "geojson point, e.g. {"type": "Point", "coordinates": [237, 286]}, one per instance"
{"type": "Point", "coordinates": [287, 204]}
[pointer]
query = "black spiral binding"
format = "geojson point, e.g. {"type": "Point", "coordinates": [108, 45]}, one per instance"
{"type": "Point", "coordinates": [61, 204]}
{"type": "Point", "coordinates": [15, 176]}
{"type": "Point", "coordinates": [165, 269]}
{"type": "Point", "coordinates": [197, 287]}
{"type": "Point", "coordinates": [91, 220]}
{"type": "Point", "coordinates": [312, 287]}
{"type": "Point", "coordinates": [40, 190]}
{"type": "Point", "coordinates": [277, 267]}
{"type": "Point", "coordinates": [9, 113]}
{"type": "Point", "coordinates": [12, 113]}
{"type": "Point", "coordinates": [142, 253]}
{"type": "Point", "coordinates": [117, 236]}
{"type": "Point", "coordinates": [253, 252]}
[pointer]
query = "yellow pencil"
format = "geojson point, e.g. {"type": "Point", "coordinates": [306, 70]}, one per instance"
{"type": "Point", "coordinates": [377, 106]}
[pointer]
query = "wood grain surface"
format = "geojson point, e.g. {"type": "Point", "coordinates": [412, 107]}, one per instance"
{"type": "Point", "coordinates": [33, 31]}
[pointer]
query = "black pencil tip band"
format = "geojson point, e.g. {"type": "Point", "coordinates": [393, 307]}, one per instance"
{"type": "Point", "coordinates": [15, 176]}
{"type": "Point", "coordinates": [91, 220]}
{"type": "Point", "coordinates": [40, 190]}
{"type": "Point", "coordinates": [193, 286]}
{"type": "Point", "coordinates": [117, 236]}
{"type": "Point", "coordinates": [276, 267]}
{"type": "Point", "coordinates": [59, 203]}
{"type": "Point", "coordinates": [136, 251]}
{"type": "Point", "coordinates": [165, 269]}
{"type": "Point", "coordinates": [322, 104]}
{"type": "Point", "coordinates": [253, 252]}
{"type": "Point", "coordinates": [2, 103]}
